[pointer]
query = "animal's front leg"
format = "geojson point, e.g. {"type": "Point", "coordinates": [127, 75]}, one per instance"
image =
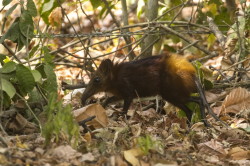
{"type": "Point", "coordinates": [127, 102]}
{"type": "Point", "coordinates": [110, 100]}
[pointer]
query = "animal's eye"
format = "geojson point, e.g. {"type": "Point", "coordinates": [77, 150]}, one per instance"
{"type": "Point", "coordinates": [97, 79]}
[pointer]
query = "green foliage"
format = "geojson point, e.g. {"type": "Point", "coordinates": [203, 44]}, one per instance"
{"type": "Point", "coordinates": [22, 29]}
{"type": "Point", "coordinates": [25, 78]}
{"type": "Point", "coordinates": [37, 76]}
{"type": "Point", "coordinates": [247, 17]}
{"type": "Point", "coordinates": [201, 75]}
{"type": "Point", "coordinates": [140, 8]}
{"type": "Point", "coordinates": [239, 29]}
{"type": "Point", "coordinates": [196, 117]}
{"type": "Point", "coordinates": [6, 2]}
{"type": "Point", "coordinates": [60, 124]}
{"type": "Point", "coordinates": [26, 25]}
{"type": "Point", "coordinates": [7, 87]}
{"type": "Point", "coordinates": [48, 58]}
{"type": "Point", "coordinates": [12, 33]}
{"type": "Point", "coordinates": [47, 7]}
{"type": "Point", "coordinates": [104, 11]}
{"type": "Point", "coordinates": [50, 84]}
{"type": "Point", "coordinates": [10, 10]}
{"type": "Point", "coordinates": [211, 40]}
{"type": "Point", "coordinates": [8, 67]}
{"type": "Point", "coordinates": [17, 78]}
{"type": "Point", "coordinates": [2, 58]}
{"type": "Point", "coordinates": [31, 8]}
{"type": "Point", "coordinates": [216, 10]}
{"type": "Point", "coordinates": [95, 3]}
{"type": "Point", "coordinates": [33, 50]}
{"type": "Point", "coordinates": [147, 143]}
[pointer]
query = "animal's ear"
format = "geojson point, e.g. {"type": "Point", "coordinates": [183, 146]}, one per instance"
{"type": "Point", "coordinates": [106, 66]}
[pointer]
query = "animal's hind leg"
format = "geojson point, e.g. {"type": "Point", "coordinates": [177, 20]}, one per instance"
{"type": "Point", "coordinates": [205, 103]}
{"type": "Point", "coordinates": [187, 111]}
{"type": "Point", "coordinates": [198, 100]}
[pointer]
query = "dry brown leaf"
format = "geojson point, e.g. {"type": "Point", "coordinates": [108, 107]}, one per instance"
{"type": "Point", "coordinates": [240, 123]}
{"type": "Point", "coordinates": [3, 160]}
{"type": "Point", "coordinates": [136, 129]}
{"type": "Point", "coordinates": [64, 152]}
{"type": "Point", "coordinates": [118, 160]}
{"type": "Point", "coordinates": [234, 136]}
{"type": "Point", "coordinates": [237, 100]}
{"type": "Point", "coordinates": [88, 157]}
{"type": "Point", "coordinates": [168, 163]}
{"type": "Point", "coordinates": [238, 153]}
{"type": "Point", "coordinates": [197, 127]}
{"type": "Point", "coordinates": [19, 124]}
{"type": "Point", "coordinates": [97, 110]}
{"type": "Point", "coordinates": [55, 17]}
{"type": "Point", "coordinates": [87, 137]}
{"type": "Point", "coordinates": [213, 97]}
{"type": "Point", "coordinates": [212, 147]}
{"type": "Point", "coordinates": [131, 156]}
{"type": "Point", "coordinates": [148, 114]}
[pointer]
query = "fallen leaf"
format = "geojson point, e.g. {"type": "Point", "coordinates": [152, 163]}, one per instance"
{"type": "Point", "coordinates": [3, 160]}
{"type": "Point", "coordinates": [119, 161]}
{"type": "Point", "coordinates": [19, 144]}
{"type": "Point", "coordinates": [97, 110]}
{"type": "Point", "coordinates": [238, 153]}
{"type": "Point", "coordinates": [212, 147]}
{"type": "Point", "coordinates": [132, 154]}
{"type": "Point", "coordinates": [87, 157]}
{"type": "Point", "coordinates": [64, 152]}
{"type": "Point", "coordinates": [237, 100]}
{"type": "Point", "coordinates": [148, 114]}
{"type": "Point", "coordinates": [213, 97]}
{"type": "Point", "coordinates": [87, 137]}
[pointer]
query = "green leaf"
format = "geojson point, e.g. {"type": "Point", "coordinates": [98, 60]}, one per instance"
{"type": "Point", "coordinates": [21, 41]}
{"type": "Point", "coordinates": [12, 33]}
{"type": "Point", "coordinates": [213, 9]}
{"type": "Point", "coordinates": [7, 87]}
{"type": "Point", "coordinates": [6, 2]}
{"type": "Point", "coordinates": [60, 122]}
{"type": "Point", "coordinates": [31, 7]}
{"type": "Point", "coordinates": [11, 10]}
{"type": "Point", "coordinates": [211, 40]}
{"type": "Point", "coordinates": [140, 8]}
{"type": "Point", "coordinates": [25, 78]}
{"type": "Point", "coordinates": [47, 7]}
{"type": "Point", "coordinates": [9, 67]}
{"type": "Point", "coordinates": [26, 24]}
{"type": "Point", "coordinates": [33, 50]}
{"type": "Point", "coordinates": [223, 18]}
{"type": "Point", "coordinates": [50, 84]}
{"type": "Point", "coordinates": [37, 76]}
{"type": "Point", "coordinates": [2, 57]}
{"type": "Point", "coordinates": [218, 3]}
{"type": "Point", "coordinates": [208, 84]}
{"type": "Point", "coordinates": [35, 96]}
{"type": "Point", "coordinates": [95, 3]}
{"type": "Point", "coordinates": [176, 2]}
{"type": "Point", "coordinates": [40, 68]}
{"type": "Point", "coordinates": [6, 100]}
{"type": "Point", "coordinates": [47, 56]}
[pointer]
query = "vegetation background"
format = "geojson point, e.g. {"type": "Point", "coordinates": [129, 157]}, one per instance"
{"type": "Point", "coordinates": [49, 48]}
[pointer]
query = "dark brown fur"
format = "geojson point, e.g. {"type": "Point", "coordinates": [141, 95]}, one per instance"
{"type": "Point", "coordinates": [171, 77]}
